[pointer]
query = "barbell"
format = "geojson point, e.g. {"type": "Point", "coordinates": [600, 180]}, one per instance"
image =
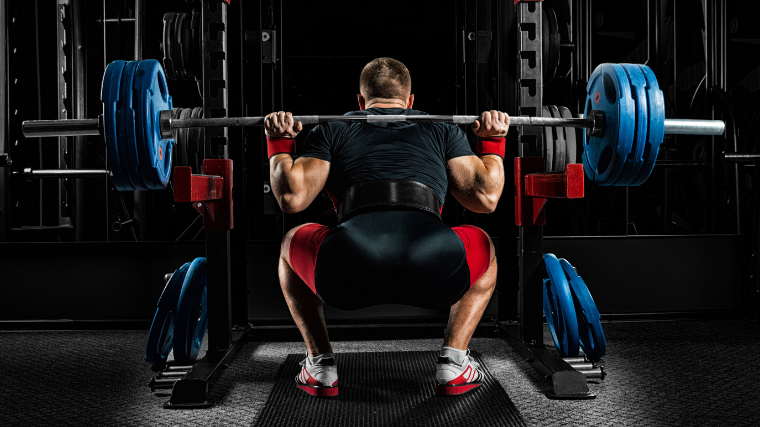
{"type": "Point", "coordinates": [624, 124]}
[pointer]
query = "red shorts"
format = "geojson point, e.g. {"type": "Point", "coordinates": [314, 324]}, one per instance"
{"type": "Point", "coordinates": [305, 244]}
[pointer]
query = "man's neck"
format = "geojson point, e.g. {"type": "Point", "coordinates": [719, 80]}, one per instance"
{"type": "Point", "coordinates": [386, 105]}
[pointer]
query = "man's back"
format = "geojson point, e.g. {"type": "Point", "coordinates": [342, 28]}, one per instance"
{"type": "Point", "coordinates": [360, 152]}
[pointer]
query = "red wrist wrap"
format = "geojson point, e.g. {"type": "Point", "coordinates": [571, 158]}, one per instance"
{"type": "Point", "coordinates": [492, 145]}
{"type": "Point", "coordinates": [280, 145]}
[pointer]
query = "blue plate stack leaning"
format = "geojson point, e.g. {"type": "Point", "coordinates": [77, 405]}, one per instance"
{"type": "Point", "coordinates": [574, 321]}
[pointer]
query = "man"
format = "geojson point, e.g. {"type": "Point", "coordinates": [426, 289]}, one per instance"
{"type": "Point", "coordinates": [388, 182]}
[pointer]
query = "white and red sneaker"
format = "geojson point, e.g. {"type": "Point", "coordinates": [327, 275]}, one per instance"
{"type": "Point", "coordinates": [319, 375]}
{"type": "Point", "coordinates": [455, 378]}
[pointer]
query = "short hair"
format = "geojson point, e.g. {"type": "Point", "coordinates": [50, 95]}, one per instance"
{"type": "Point", "coordinates": [385, 78]}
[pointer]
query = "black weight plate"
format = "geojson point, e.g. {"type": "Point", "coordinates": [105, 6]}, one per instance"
{"type": "Point", "coordinates": [548, 143]}
{"type": "Point", "coordinates": [177, 48]}
{"type": "Point", "coordinates": [183, 135]}
{"type": "Point", "coordinates": [166, 46]}
{"type": "Point", "coordinates": [570, 137]}
{"type": "Point", "coordinates": [178, 51]}
{"type": "Point", "coordinates": [551, 39]}
{"type": "Point", "coordinates": [175, 155]}
{"type": "Point", "coordinates": [197, 36]}
{"type": "Point", "coordinates": [195, 142]}
{"type": "Point", "coordinates": [560, 146]}
{"type": "Point", "coordinates": [186, 41]}
{"type": "Point", "coordinates": [161, 335]}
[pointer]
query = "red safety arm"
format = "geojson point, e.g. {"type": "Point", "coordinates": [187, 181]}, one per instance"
{"type": "Point", "coordinates": [210, 193]}
{"type": "Point", "coordinates": [534, 188]}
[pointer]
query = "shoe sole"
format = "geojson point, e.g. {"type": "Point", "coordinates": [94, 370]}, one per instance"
{"type": "Point", "coordinates": [317, 391]}
{"type": "Point", "coordinates": [455, 390]}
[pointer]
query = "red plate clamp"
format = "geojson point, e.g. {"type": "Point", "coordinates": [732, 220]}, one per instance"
{"type": "Point", "coordinates": [210, 193]}
{"type": "Point", "coordinates": [533, 188]}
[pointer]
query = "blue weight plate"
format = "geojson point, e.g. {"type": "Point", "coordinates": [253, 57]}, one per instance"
{"type": "Point", "coordinates": [589, 322]}
{"type": "Point", "coordinates": [109, 95]}
{"type": "Point", "coordinates": [127, 144]}
{"type": "Point", "coordinates": [152, 97]}
{"type": "Point", "coordinates": [636, 158]}
{"type": "Point", "coordinates": [559, 308]}
{"type": "Point", "coordinates": [609, 91]}
{"type": "Point", "coordinates": [656, 130]}
{"type": "Point", "coordinates": [161, 336]}
{"type": "Point", "coordinates": [192, 314]}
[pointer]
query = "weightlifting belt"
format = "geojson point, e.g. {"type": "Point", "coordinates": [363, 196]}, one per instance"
{"type": "Point", "coordinates": [388, 192]}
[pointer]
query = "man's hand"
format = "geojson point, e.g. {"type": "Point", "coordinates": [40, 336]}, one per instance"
{"type": "Point", "coordinates": [492, 124]}
{"type": "Point", "coordinates": [280, 125]}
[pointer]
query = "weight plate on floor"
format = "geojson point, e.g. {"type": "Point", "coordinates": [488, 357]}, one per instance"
{"type": "Point", "coordinates": [635, 159]}
{"type": "Point", "coordinates": [110, 97]}
{"type": "Point", "coordinates": [166, 45]}
{"type": "Point", "coordinates": [559, 308]}
{"type": "Point", "coordinates": [609, 91]}
{"type": "Point", "coordinates": [178, 51]}
{"type": "Point", "coordinates": [656, 128]}
{"type": "Point", "coordinates": [548, 143]}
{"type": "Point", "coordinates": [195, 30]}
{"type": "Point", "coordinates": [590, 330]}
{"type": "Point", "coordinates": [560, 146]}
{"type": "Point", "coordinates": [570, 137]}
{"type": "Point", "coordinates": [128, 152]}
{"type": "Point", "coordinates": [192, 314]}
{"type": "Point", "coordinates": [161, 335]}
{"type": "Point", "coordinates": [152, 98]}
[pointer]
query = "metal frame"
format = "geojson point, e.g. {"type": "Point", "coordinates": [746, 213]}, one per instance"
{"type": "Point", "coordinates": [224, 339]}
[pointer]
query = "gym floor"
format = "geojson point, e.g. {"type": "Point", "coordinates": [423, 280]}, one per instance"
{"type": "Point", "coordinates": [665, 373]}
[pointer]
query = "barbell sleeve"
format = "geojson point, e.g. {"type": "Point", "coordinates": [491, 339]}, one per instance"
{"type": "Point", "coordinates": [30, 174]}
{"type": "Point", "coordinates": [694, 127]}
{"type": "Point", "coordinates": [70, 127]}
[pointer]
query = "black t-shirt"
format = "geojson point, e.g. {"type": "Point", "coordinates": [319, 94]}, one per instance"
{"type": "Point", "coordinates": [360, 151]}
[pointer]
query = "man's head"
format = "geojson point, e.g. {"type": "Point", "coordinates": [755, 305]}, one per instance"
{"type": "Point", "coordinates": [385, 83]}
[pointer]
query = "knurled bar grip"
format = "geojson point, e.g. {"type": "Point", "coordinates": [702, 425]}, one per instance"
{"type": "Point", "coordinates": [80, 127]}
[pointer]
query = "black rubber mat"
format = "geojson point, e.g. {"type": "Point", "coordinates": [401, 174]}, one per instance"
{"type": "Point", "coordinates": [386, 389]}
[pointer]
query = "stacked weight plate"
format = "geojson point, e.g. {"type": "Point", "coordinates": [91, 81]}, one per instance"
{"type": "Point", "coordinates": [560, 147]}
{"type": "Point", "coordinates": [634, 109]}
{"type": "Point", "coordinates": [182, 46]}
{"type": "Point", "coordinates": [181, 317]}
{"type": "Point", "coordinates": [571, 313]}
{"type": "Point", "coordinates": [133, 95]}
{"type": "Point", "coordinates": [188, 148]}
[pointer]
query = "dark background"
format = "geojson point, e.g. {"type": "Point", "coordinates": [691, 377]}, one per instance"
{"type": "Point", "coordinates": [677, 244]}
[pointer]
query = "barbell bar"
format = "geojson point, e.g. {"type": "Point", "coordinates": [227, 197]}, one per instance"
{"type": "Point", "coordinates": [624, 124]}
{"type": "Point", "coordinates": [84, 127]}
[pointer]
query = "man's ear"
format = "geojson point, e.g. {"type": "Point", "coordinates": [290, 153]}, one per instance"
{"type": "Point", "coordinates": [362, 102]}
{"type": "Point", "coordinates": [410, 101]}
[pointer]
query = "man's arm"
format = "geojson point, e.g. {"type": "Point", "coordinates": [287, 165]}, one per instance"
{"type": "Point", "coordinates": [477, 182]}
{"type": "Point", "coordinates": [295, 183]}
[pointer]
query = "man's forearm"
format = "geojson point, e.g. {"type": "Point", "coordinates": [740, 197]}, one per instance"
{"type": "Point", "coordinates": [490, 181]}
